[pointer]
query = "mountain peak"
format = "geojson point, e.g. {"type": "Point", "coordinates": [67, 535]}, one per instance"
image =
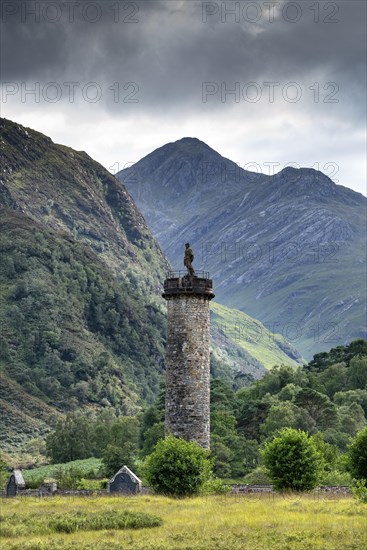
{"type": "Point", "coordinates": [186, 145]}
{"type": "Point", "coordinates": [190, 140]}
{"type": "Point", "coordinates": [190, 144]}
{"type": "Point", "coordinates": [234, 218]}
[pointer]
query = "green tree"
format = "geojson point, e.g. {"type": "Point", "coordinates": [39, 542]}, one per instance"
{"type": "Point", "coordinates": [222, 457]}
{"type": "Point", "coordinates": [293, 461]}
{"type": "Point", "coordinates": [328, 452]}
{"type": "Point", "coordinates": [177, 467]}
{"type": "Point", "coordinates": [280, 415]}
{"type": "Point", "coordinates": [125, 429]}
{"type": "Point", "coordinates": [250, 417]}
{"type": "Point", "coordinates": [102, 431]}
{"type": "Point", "coordinates": [340, 439]}
{"type": "Point", "coordinates": [289, 392]}
{"type": "Point", "coordinates": [251, 455]}
{"type": "Point", "coordinates": [115, 457]}
{"type": "Point", "coordinates": [4, 472]}
{"type": "Point", "coordinates": [222, 423]}
{"type": "Point", "coordinates": [334, 378]}
{"type": "Point", "coordinates": [352, 396]}
{"type": "Point", "coordinates": [276, 379]}
{"type": "Point", "coordinates": [319, 407]}
{"type": "Point", "coordinates": [220, 392]}
{"type": "Point", "coordinates": [149, 417]}
{"type": "Point", "coordinates": [71, 440]}
{"type": "Point", "coordinates": [352, 418]}
{"type": "Point", "coordinates": [68, 478]}
{"type": "Point", "coordinates": [339, 354]}
{"type": "Point", "coordinates": [358, 372]}
{"type": "Point", "coordinates": [358, 456]}
{"type": "Point", "coordinates": [151, 437]}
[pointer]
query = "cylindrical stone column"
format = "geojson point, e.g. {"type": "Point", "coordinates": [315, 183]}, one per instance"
{"type": "Point", "coordinates": [188, 357]}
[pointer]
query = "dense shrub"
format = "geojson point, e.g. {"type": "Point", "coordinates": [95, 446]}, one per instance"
{"type": "Point", "coordinates": [358, 455]}
{"type": "Point", "coordinates": [91, 484]}
{"type": "Point", "coordinates": [293, 461]}
{"type": "Point", "coordinates": [68, 478]}
{"type": "Point", "coordinates": [259, 475]}
{"type": "Point", "coordinates": [360, 490]}
{"type": "Point", "coordinates": [177, 467]}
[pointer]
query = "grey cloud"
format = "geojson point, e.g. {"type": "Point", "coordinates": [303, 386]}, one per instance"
{"type": "Point", "coordinates": [170, 51]}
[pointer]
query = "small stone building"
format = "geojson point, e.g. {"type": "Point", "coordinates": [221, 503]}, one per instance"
{"type": "Point", "coordinates": [15, 484]}
{"type": "Point", "coordinates": [48, 488]}
{"type": "Point", "coordinates": [124, 481]}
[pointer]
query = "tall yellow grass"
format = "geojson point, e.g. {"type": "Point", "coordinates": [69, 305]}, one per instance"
{"type": "Point", "coordinates": [205, 523]}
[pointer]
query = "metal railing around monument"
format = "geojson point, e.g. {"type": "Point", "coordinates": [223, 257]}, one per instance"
{"type": "Point", "coordinates": [183, 273]}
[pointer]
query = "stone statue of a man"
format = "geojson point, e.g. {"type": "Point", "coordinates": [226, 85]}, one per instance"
{"type": "Point", "coordinates": [189, 258]}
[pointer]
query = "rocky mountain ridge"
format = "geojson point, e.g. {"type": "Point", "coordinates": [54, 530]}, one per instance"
{"type": "Point", "coordinates": [286, 249]}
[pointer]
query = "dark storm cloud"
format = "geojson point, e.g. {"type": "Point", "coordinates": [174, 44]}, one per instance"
{"type": "Point", "coordinates": [169, 48]}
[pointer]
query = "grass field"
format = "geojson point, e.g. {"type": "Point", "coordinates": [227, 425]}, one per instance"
{"type": "Point", "coordinates": [49, 471]}
{"type": "Point", "coordinates": [207, 523]}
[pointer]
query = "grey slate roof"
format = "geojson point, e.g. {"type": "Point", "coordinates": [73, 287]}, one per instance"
{"type": "Point", "coordinates": [19, 480]}
{"type": "Point", "coordinates": [126, 470]}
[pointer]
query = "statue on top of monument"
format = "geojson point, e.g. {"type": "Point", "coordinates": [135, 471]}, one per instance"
{"type": "Point", "coordinates": [189, 258]}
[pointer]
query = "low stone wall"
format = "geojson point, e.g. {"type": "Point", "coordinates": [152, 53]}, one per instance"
{"type": "Point", "coordinates": [73, 493]}
{"type": "Point", "coordinates": [238, 489]}
{"type": "Point", "coordinates": [343, 489]}
{"type": "Point", "coordinates": [242, 488]}
{"type": "Point", "coordinates": [268, 488]}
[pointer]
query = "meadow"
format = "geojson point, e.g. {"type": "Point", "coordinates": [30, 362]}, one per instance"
{"type": "Point", "coordinates": [85, 466]}
{"type": "Point", "coordinates": [254, 522]}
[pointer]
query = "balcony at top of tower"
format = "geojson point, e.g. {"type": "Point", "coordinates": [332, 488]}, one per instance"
{"type": "Point", "coordinates": [180, 283]}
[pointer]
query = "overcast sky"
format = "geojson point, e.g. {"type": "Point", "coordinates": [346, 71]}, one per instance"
{"type": "Point", "coordinates": [261, 82]}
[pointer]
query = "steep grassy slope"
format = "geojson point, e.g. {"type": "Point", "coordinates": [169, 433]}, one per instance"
{"type": "Point", "coordinates": [288, 250]}
{"type": "Point", "coordinates": [69, 192]}
{"type": "Point", "coordinates": [23, 415]}
{"type": "Point", "coordinates": [253, 337]}
{"type": "Point", "coordinates": [72, 335]}
{"type": "Point", "coordinates": [81, 319]}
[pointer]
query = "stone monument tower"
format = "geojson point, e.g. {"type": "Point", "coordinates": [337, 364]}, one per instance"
{"type": "Point", "coordinates": [188, 353]}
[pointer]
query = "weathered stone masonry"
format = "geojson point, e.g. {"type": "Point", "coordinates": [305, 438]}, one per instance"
{"type": "Point", "coordinates": [188, 358]}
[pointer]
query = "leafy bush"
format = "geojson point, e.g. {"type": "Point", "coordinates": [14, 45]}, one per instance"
{"type": "Point", "coordinates": [35, 482]}
{"type": "Point", "coordinates": [215, 486]}
{"type": "Point", "coordinates": [293, 461]}
{"type": "Point", "coordinates": [259, 475]}
{"type": "Point", "coordinates": [335, 477]}
{"type": "Point", "coordinates": [358, 455]}
{"type": "Point", "coordinates": [177, 467]}
{"type": "Point", "coordinates": [68, 478]}
{"type": "Point", "coordinates": [91, 484]}
{"type": "Point", "coordinates": [360, 490]}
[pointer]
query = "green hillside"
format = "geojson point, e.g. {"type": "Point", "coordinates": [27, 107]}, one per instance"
{"type": "Point", "coordinates": [67, 191]}
{"type": "Point", "coordinates": [82, 324]}
{"type": "Point", "coordinates": [23, 415]}
{"type": "Point", "coordinates": [251, 335]}
{"type": "Point", "coordinates": [70, 334]}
